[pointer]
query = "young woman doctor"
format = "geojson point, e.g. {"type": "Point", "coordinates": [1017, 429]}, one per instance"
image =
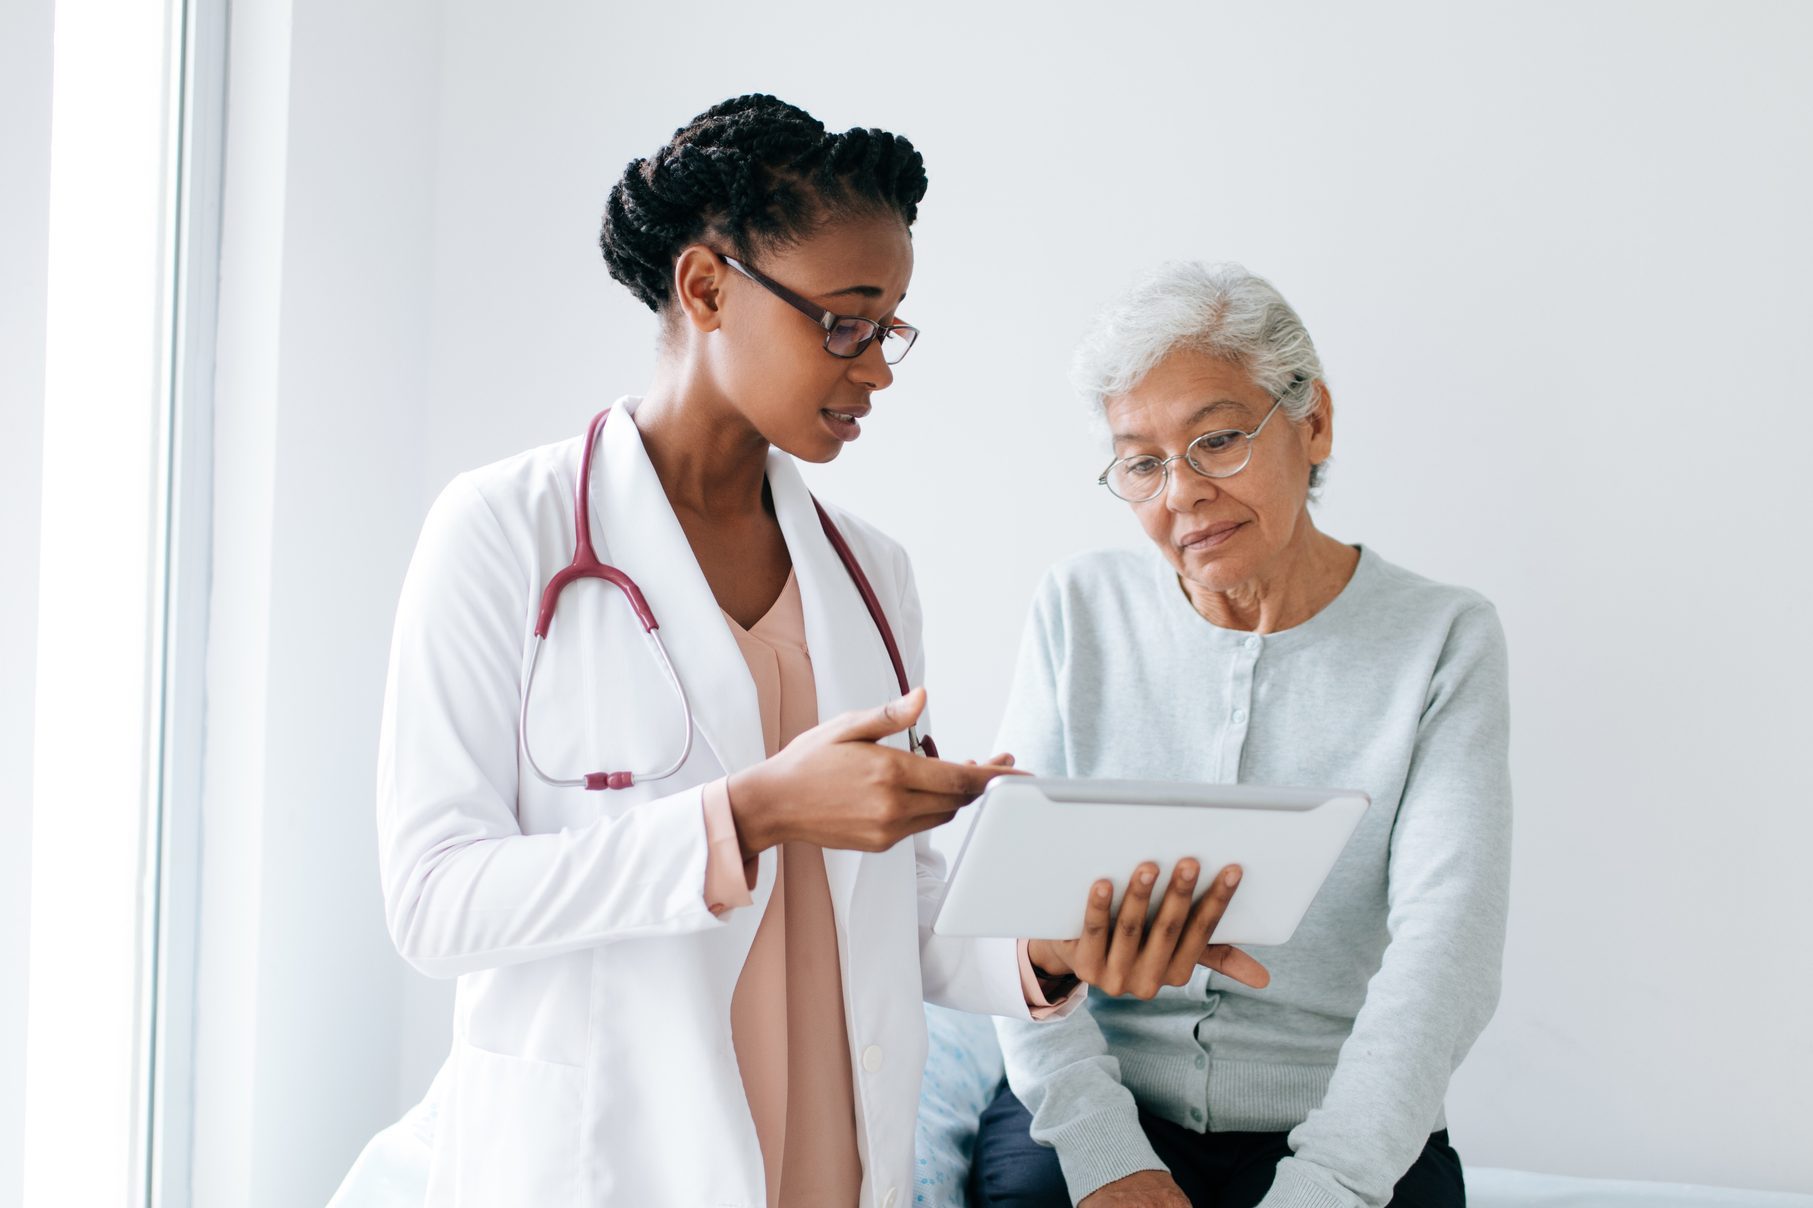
{"type": "Point", "coordinates": [694, 978]}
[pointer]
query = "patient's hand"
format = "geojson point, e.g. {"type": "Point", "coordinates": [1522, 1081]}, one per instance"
{"type": "Point", "coordinates": [1142, 1189]}
{"type": "Point", "coordinates": [1128, 957]}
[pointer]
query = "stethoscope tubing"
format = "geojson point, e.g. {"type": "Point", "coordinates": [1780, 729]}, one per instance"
{"type": "Point", "coordinates": [585, 564]}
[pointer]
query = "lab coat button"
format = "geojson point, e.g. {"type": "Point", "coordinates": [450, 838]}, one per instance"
{"type": "Point", "coordinates": [892, 1195]}
{"type": "Point", "coordinates": [1239, 717]}
{"type": "Point", "coordinates": [1252, 643]}
{"type": "Point", "coordinates": [871, 1058]}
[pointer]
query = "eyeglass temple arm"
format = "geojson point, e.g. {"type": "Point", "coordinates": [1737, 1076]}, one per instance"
{"type": "Point", "coordinates": [1268, 415]}
{"type": "Point", "coordinates": [811, 310]}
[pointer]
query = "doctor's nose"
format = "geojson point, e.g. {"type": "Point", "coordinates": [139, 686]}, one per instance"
{"type": "Point", "coordinates": [870, 371]}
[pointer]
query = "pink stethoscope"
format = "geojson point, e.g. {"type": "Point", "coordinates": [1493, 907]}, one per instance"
{"type": "Point", "coordinates": [585, 565]}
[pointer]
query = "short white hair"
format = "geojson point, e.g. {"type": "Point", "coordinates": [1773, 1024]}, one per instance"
{"type": "Point", "coordinates": [1221, 310]}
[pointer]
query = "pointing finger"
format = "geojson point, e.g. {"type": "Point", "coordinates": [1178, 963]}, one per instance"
{"type": "Point", "coordinates": [873, 725]}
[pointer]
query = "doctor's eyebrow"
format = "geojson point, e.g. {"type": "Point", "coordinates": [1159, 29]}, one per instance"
{"type": "Point", "coordinates": [861, 291]}
{"type": "Point", "coordinates": [1197, 417]}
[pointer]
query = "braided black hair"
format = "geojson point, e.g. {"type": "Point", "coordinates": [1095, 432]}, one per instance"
{"type": "Point", "coordinates": [753, 172]}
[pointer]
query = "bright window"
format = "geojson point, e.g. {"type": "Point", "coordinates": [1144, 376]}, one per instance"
{"type": "Point", "coordinates": [97, 759]}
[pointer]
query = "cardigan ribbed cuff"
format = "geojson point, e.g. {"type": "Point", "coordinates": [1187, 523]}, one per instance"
{"type": "Point", "coordinates": [1100, 1148]}
{"type": "Point", "coordinates": [1298, 1184]}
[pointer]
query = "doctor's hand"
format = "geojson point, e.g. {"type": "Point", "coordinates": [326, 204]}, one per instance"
{"type": "Point", "coordinates": [837, 786]}
{"type": "Point", "coordinates": [1125, 956]}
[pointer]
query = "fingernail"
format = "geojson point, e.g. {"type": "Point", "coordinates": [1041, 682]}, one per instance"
{"type": "Point", "coordinates": [1231, 877]}
{"type": "Point", "coordinates": [1101, 892]}
{"type": "Point", "coordinates": [1147, 876]}
{"type": "Point", "coordinates": [1188, 870]}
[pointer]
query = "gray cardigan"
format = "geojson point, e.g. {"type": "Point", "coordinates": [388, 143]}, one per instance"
{"type": "Point", "coordinates": [1398, 687]}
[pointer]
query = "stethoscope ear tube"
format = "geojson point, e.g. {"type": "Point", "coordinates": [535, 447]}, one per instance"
{"type": "Point", "coordinates": [586, 565]}
{"type": "Point", "coordinates": [921, 745]}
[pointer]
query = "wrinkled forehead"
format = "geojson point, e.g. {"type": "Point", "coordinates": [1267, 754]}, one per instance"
{"type": "Point", "coordinates": [1185, 394]}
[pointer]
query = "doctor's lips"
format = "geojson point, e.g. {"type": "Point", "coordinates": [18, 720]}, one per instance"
{"type": "Point", "coordinates": [1210, 537]}
{"type": "Point", "coordinates": [844, 422]}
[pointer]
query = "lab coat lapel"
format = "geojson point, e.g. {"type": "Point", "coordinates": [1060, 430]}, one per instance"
{"type": "Point", "coordinates": [850, 665]}
{"type": "Point", "coordinates": [642, 537]}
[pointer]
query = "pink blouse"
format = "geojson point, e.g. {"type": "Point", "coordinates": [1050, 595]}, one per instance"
{"type": "Point", "coordinates": [787, 1012]}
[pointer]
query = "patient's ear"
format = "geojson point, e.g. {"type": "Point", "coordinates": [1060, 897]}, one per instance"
{"type": "Point", "coordinates": [1319, 425]}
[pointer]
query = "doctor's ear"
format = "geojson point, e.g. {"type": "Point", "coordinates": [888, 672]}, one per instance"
{"type": "Point", "coordinates": [699, 276]}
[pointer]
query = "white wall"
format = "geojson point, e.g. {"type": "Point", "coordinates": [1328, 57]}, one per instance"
{"type": "Point", "coordinates": [1555, 257]}
{"type": "Point", "coordinates": [25, 40]}
{"type": "Point", "coordinates": [319, 391]}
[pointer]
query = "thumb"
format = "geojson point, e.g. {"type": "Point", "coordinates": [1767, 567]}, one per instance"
{"type": "Point", "coordinates": [872, 725]}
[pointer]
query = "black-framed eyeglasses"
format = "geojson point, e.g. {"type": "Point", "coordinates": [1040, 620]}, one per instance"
{"type": "Point", "coordinates": [1220, 454]}
{"type": "Point", "coordinates": [846, 336]}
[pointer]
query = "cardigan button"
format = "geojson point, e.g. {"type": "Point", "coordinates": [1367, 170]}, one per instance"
{"type": "Point", "coordinates": [871, 1058]}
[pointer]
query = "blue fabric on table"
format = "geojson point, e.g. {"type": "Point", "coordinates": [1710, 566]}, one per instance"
{"type": "Point", "coordinates": [962, 1071]}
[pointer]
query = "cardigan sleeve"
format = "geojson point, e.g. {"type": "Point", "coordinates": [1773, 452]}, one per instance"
{"type": "Point", "coordinates": [1447, 901]}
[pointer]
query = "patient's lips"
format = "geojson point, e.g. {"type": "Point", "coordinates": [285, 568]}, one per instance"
{"type": "Point", "coordinates": [1209, 537]}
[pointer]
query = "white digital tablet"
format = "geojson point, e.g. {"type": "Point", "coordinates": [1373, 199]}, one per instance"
{"type": "Point", "coordinates": [1038, 843]}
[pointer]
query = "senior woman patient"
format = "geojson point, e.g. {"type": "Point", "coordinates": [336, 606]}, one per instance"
{"type": "Point", "coordinates": [1245, 645]}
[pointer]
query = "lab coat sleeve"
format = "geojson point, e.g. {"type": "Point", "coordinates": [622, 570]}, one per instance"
{"type": "Point", "coordinates": [983, 976]}
{"type": "Point", "coordinates": [464, 888]}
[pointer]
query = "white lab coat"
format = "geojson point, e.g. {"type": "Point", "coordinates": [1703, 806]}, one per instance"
{"type": "Point", "coordinates": [592, 1061]}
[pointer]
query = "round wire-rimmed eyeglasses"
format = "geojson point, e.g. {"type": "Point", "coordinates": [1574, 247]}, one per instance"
{"type": "Point", "coordinates": [1142, 477]}
{"type": "Point", "coordinates": [846, 336]}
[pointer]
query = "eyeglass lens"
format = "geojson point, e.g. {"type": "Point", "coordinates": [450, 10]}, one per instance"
{"type": "Point", "coordinates": [1213, 455]}
{"type": "Point", "coordinates": [850, 337]}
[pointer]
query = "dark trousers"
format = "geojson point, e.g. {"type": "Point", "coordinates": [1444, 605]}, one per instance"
{"type": "Point", "coordinates": [1216, 1170]}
